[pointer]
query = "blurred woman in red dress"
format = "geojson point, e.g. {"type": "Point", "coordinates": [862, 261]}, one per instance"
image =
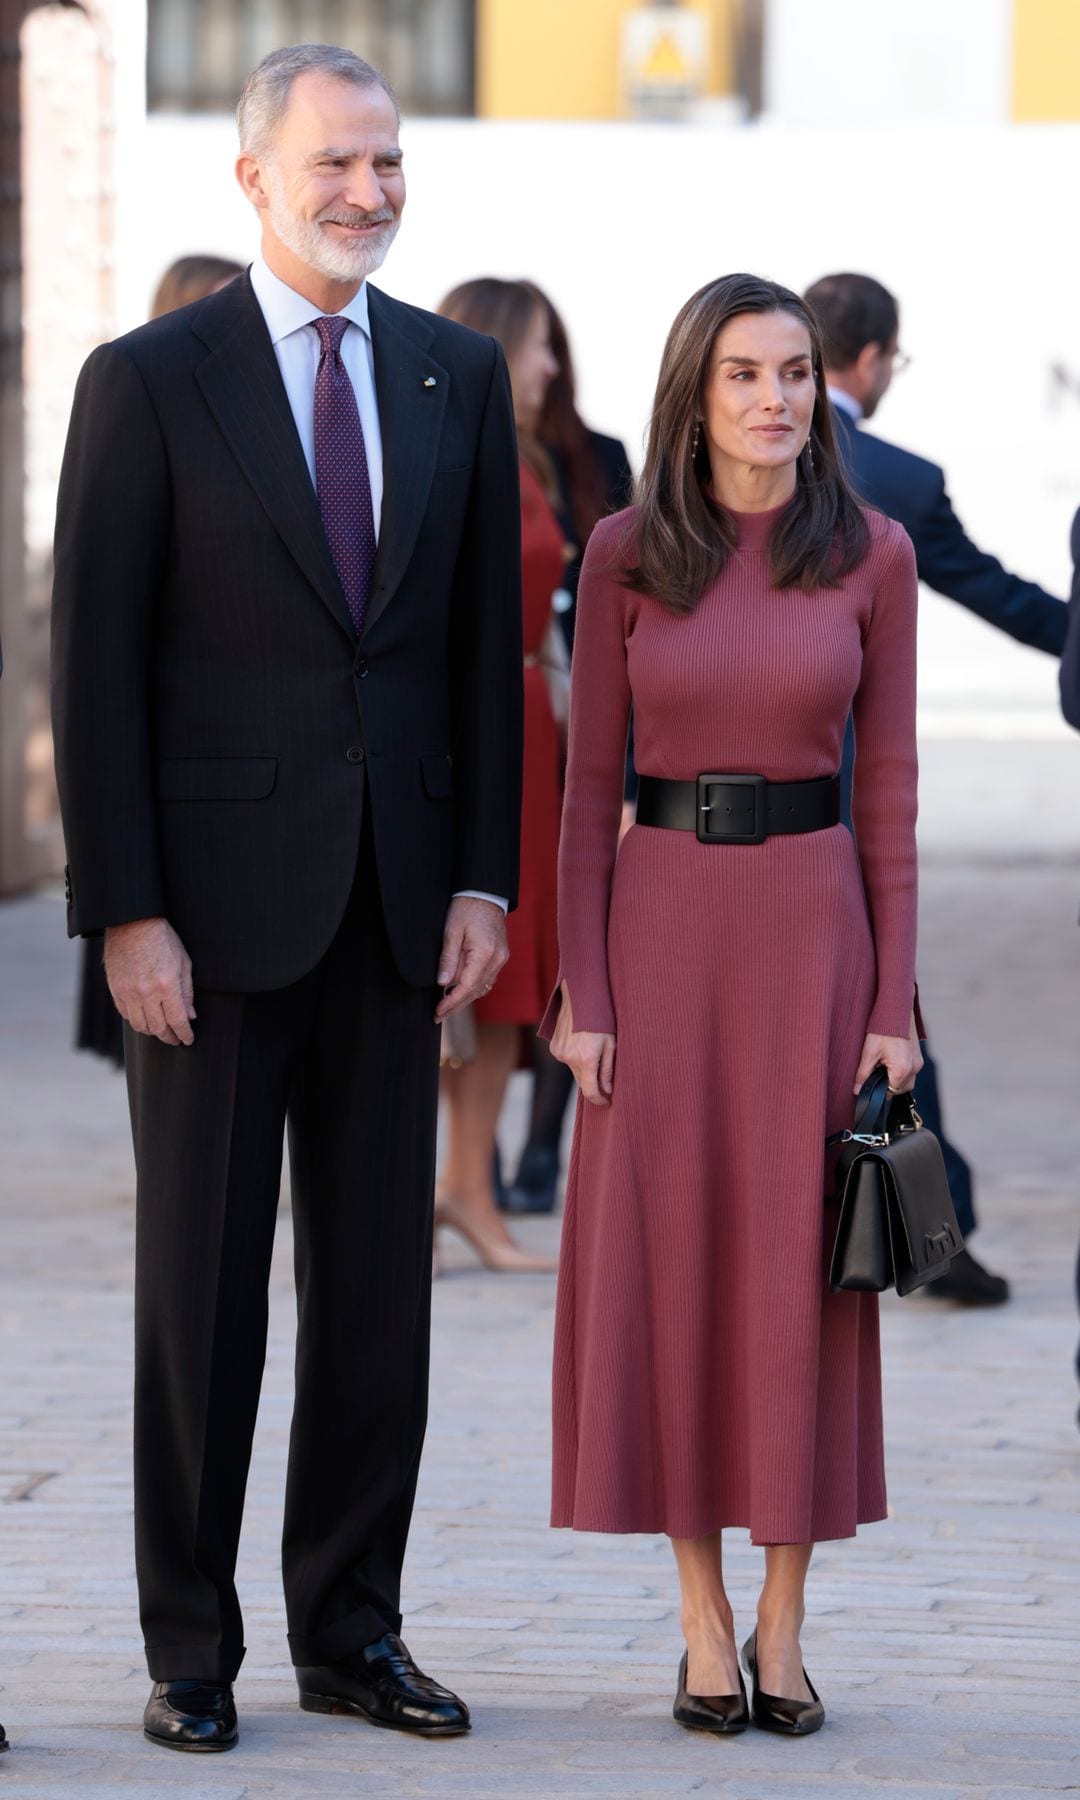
{"type": "Point", "coordinates": [515, 313]}
{"type": "Point", "coordinates": [592, 478]}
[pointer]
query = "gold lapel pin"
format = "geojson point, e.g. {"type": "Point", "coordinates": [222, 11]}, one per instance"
{"type": "Point", "coordinates": [429, 381]}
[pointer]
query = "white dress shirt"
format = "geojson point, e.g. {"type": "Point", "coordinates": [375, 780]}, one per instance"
{"type": "Point", "coordinates": [289, 320]}
{"type": "Point", "coordinates": [843, 401]}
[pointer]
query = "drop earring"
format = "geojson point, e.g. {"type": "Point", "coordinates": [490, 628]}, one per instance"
{"type": "Point", "coordinates": [695, 440]}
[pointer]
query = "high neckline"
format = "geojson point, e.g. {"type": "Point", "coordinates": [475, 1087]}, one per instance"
{"type": "Point", "coordinates": [755, 528]}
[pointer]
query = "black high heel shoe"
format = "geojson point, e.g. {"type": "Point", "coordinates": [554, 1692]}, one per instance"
{"type": "Point", "coordinates": [771, 1712]}
{"type": "Point", "coordinates": [723, 1713]}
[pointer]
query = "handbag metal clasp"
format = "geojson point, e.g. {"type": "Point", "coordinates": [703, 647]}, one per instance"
{"type": "Point", "coordinates": [876, 1140]}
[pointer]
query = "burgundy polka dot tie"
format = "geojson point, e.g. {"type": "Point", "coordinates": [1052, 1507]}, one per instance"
{"type": "Point", "coordinates": [341, 472]}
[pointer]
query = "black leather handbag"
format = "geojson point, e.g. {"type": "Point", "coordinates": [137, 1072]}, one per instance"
{"type": "Point", "coordinates": [897, 1225]}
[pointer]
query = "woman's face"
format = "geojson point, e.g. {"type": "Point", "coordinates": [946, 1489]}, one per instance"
{"type": "Point", "coordinates": [758, 400]}
{"type": "Point", "coordinates": [533, 369]}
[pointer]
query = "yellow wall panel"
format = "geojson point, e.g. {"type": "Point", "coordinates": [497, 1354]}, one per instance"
{"type": "Point", "coordinates": [1046, 59]}
{"type": "Point", "coordinates": [559, 59]}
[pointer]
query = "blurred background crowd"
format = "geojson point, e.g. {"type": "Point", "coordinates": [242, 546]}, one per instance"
{"type": "Point", "coordinates": [576, 170]}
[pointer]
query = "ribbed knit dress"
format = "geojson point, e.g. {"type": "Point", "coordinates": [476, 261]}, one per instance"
{"type": "Point", "coordinates": [704, 1375]}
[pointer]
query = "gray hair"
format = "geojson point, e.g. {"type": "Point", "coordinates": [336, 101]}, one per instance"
{"type": "Point", "coordinates": [266, 92]}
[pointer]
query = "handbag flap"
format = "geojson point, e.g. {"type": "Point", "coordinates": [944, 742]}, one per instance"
{"type": "Point", "coordinates": [923, 1226]}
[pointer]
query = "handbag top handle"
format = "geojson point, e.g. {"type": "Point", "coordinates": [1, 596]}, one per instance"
{"type": "Point", "coordinates": [873, 1104]}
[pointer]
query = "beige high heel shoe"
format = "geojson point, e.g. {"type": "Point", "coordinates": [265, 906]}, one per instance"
{"type": "Point", "coordinates": [499, 1254]}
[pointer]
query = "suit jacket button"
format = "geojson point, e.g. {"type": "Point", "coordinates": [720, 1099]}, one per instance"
{"type": "Point", "coordinates": [354, 754]}
{"type": "Point", "coordinates": [361, 668]}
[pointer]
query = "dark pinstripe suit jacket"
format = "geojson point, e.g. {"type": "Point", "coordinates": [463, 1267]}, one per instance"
{"type": "Point", "coordinates": [218, 727]}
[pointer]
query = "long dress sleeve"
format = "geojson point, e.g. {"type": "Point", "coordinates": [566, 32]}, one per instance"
{"type": "Point", "coordinates": [592, 807]}
{"type": "Point", "coordinates": [884, 801]}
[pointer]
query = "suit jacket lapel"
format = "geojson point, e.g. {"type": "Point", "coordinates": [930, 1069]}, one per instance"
{"type": "Point", "coordinates": [242, 385]}
{"type": "Point", "coordinates": [411, 390]}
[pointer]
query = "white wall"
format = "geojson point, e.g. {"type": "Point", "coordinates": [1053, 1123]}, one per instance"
{"type": "Point", "coordinates": [888, 62]}
{"type": "Point", "coordinates": [621, 223]}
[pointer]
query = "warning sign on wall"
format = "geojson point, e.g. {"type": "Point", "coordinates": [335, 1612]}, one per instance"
{"type": "Point", "coordinates": [664, 59]}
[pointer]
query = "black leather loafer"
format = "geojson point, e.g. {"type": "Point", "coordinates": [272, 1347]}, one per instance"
{"type": "Point", "coordinates": [724, 1713]}
{"type": "Point", "coordinates": [771, 1712]}
{"type": "Point", "coordinates": [535, 1184]}
{"type": "Point", "coordinates": [383, 1685]}
{"type": "Point", "coordinates": [967, 1281]}
{"type": "Point", "coordinates": [191, 1715]}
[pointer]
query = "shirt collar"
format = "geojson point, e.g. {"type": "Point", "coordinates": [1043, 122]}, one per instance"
{"type": "Point", "coordinates": [286, 311]}
{"type": "Point", "coordinates": [845, 403]}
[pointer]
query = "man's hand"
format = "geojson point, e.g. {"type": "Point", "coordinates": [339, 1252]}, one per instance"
{"type": "Point", "coordinates": [473, 951]}
{"type": "Point", "coordinates": [149, 976]}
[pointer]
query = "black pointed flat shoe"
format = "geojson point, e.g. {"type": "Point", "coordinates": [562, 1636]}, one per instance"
{"type": "Point", "coordinates": [191, 1715]}
{"type": "Point", "coordinates": [771, 1712]}
{"type": "Point", "coordinates": [722, 1713]}
{"type": "Point", "coordinates": [383, 1685]}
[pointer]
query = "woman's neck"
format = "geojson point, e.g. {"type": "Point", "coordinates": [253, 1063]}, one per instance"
{"type": "Point", "coordinates": [744, 487]}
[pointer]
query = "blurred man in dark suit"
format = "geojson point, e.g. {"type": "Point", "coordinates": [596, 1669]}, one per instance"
{"type": "Point", "coordinates": [860, 320]}
{"type": "Point", "coordinates": [287, 701]}
{"type": "Point", "coordinates": [860, 323]}
{"type": "Point", "coordinates": [1070, 659]}
{"type": "Point", "coordinates": [1070, 702]}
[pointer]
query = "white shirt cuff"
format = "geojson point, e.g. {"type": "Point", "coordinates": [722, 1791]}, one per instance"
{"type": "Point", "coordinates": [474, 894]}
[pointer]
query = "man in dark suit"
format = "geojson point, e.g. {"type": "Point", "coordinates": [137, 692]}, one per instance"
{"type": "Point", "coordinates": [860, 322]}
{"type": "Point", "coordinates": [287, 705]}
{"type": "Point", "coordinates": [1070, 658]}
{"type": "Point", "coordinates": [1070, 702]}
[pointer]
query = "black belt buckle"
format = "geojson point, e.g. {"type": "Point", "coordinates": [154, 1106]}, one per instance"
{"type": "Point", "coordinates": [737, 818]}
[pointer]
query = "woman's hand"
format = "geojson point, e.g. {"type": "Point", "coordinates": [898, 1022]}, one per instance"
{"type": "Point", "coordinates": [901, 1056]}
{"type": "Point", "coordinates": [589, 1054]}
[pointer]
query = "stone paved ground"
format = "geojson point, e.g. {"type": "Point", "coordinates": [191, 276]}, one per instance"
{"type": "Point", "coordinates": [944, 1642]}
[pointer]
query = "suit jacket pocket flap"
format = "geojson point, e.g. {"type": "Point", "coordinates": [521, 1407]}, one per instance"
{"type": "Point", "coordinates": [216, 777]}
{"type": "Point", "coordinates": [438, 777]}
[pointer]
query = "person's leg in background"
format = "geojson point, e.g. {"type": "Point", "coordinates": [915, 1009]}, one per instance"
{"type": "Point", "coordinates": [535, 1185]}
{"type": "Point", "coordinates": [966, 1279]}
{"type": "Point", "coordinates": [465, 1201]}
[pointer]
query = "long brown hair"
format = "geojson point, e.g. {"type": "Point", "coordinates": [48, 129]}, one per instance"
{"type": "Point", "coordinates": [563, 430]}
{"type": "Point", "coordinates": [505, 310]}
{"type": "Point", "coordinates": [191, 278]}
{"type": "Point", "coordinates": [683, 538]}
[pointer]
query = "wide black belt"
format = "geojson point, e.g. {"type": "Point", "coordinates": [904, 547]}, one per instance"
{"type": "Point", "coordinates": [738, 809]}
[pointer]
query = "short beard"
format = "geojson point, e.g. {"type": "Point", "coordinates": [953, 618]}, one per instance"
{"type": "Point", "coordinates": [334, 258]}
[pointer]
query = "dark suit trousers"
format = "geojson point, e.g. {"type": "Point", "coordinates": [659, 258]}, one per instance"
{"type": "Point", "coordinates": [348, 1056]}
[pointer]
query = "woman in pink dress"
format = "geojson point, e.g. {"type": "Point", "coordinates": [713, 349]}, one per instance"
{"type": "Point", "coordinates": [726, 985]}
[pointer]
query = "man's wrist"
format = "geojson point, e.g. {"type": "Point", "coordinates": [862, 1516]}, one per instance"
{"type": "Point", "coordinates": [129, 924]}
{"type": "Point", "coordinates": [474, 894]}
